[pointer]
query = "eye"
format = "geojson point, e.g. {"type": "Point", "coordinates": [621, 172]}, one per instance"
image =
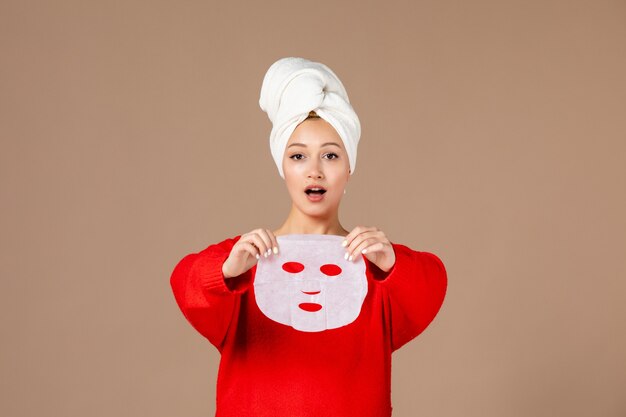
{"type": "Point", "coordinates": [330, 270]}
{"type": "Point", "coordinates": [332, 153]}
{"type": "Point", "coordinates": [293, 267]}
{"type": "Point", "coordinates": [296, 159]}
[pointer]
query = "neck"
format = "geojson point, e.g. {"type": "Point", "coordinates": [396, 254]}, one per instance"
{"type": "Point", "coordinates": [298, 222]}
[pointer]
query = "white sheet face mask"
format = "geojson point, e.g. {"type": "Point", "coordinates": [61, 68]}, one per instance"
{"type": "Point", "coordinates": [309, 285]}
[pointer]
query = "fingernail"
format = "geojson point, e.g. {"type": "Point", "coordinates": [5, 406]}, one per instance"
{"type": "Point", "coordinates": [275, 249]}
{"type": "Point", "coordinates": [364, 250]}
{"type": "Point", "coordinates": [345, 256]}
{"type": "Point", "coordinates": [344, 243]}
{"type": "Point", "coordinates": [350, 258]}
{"type": "Point", "coordinates": [257, 256]}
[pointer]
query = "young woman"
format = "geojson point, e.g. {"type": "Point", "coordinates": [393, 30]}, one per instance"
{"type": "Point", "coordinates": [269, 366]}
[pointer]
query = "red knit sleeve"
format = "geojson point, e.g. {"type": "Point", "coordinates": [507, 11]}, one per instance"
{"type": "Point", "coordinates": [205, 297]}
{"type": "Point", "coordinates": [415, 286]}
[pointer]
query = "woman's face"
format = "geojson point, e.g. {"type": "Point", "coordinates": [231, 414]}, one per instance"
{"type": "Point", "coordinates": [315, 155]}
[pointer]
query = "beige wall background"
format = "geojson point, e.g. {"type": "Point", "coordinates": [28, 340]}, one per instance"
{"type": "Point", "coordinates": [493, 135]}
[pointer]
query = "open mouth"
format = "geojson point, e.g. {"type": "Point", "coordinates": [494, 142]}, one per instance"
{"type": "Point", "coordinates": [311, 307]}
{"type": "Point", "coordinates": [315, 191]}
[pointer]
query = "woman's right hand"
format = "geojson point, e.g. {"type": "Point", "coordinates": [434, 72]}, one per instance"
{"type": "Point", "coordinates": [247, 251]}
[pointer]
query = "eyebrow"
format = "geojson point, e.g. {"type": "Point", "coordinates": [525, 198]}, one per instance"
{"type": "Point", "coordinates": [302, 144]}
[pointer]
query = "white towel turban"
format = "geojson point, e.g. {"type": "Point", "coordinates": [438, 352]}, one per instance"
{"type": "Point", "coordinates": [294, 86]}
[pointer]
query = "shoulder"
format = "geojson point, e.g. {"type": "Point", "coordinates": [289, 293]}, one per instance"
{"type": "Point", "coordinates": [226, 243]}
{"type": "Point", "coordinates": [431, 265]}
{"type": "Point", "coordinates": [421, 257]}
{"type": "Point", "coordinates": [431, 258]}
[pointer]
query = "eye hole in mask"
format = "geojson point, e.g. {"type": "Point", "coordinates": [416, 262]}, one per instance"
{"type": "Point", "coordinates": [330, 270]}
{"type": "Point", "coordinates": [293, 267]}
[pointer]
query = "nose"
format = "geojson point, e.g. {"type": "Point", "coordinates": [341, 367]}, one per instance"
{"type": "Point", "coordinates": [315, 170]}
{"type": "Point", "coordinates": [311, 287]}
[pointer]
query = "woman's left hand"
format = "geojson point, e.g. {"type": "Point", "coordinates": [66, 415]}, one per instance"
{"type": "Point", "coordinates": [373, 244]}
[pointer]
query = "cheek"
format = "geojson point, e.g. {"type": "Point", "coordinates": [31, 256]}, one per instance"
{"type": "Point", "coordinates": [294, 189]}
{"type": "Point", "coordinates": [338, 187]}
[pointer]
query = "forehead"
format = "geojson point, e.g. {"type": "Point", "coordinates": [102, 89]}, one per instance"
{"type": "Point", "coordinates": [314, 133]}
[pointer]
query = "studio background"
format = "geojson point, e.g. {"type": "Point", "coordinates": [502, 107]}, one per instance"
{"type": "Point", "coordinates": [493, 136]}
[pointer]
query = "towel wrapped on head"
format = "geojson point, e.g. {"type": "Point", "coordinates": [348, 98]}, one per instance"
{"type": "Point", "coordinates": [294, 86]}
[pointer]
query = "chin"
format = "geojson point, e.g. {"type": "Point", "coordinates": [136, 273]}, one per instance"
{"type": "Point", "coordinates": [316, 210]}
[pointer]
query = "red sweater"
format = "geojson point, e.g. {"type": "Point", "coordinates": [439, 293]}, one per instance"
{"type": "Point", "coordinates": [270, 369]}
